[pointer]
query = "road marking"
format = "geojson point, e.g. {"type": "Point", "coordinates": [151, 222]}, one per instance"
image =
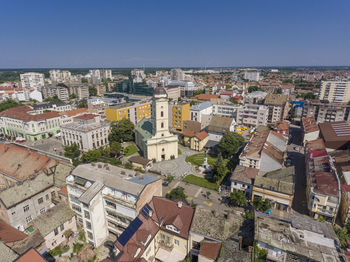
{"type": "Point", "coordinates": [189, 198]}
{"type": "Point", "coordinates": [197, 193]}
{"type": "Point", "coordinates": [208, 203]}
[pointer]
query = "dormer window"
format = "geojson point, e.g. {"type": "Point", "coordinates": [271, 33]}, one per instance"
{"type": "Point", "coordinates": [172, 228]}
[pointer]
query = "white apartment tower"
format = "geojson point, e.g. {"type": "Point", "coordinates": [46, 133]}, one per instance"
{"type": "Point", "coordinates": [33, 80]}
{"type": "Point", "coordinates": [335, 91]}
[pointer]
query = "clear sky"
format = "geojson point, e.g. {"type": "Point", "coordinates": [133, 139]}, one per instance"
{"type": "Point", "coordinates": [185, 33]}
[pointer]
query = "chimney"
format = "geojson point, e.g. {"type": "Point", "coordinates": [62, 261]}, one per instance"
{"type": "Point", "coordinates": [179, 204]}
{"type": "Point", "coordinates": [240, 242]}
{"type": "Point", "coordinates": [150, 213]}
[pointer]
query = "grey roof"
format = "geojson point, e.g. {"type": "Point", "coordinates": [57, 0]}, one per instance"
{"type": "Point", "coordinates": [6, 253]}
{"type": "Point", "coordinates": [62, 171]}
{"type": "Point", "coordinates": [53, 218]}
{"type": "Point", "coordinates": [281, 180]}
{"type": "Point", "coordinates": [139, 160]}
{"type": "Point", "coordinates": [115, 177]}
{"type": "Point", "coordinates": [83, 127]}
{"type": "Point", "coordinates": [34, 240]}
{"type": "Point", "coordinates": [19, 192]}
{"type": "Point", "coordinates": [256, 94]}
{"type": "Point", "coordinates": [211, 143]}
{"type": "Point", "coordinates": [159, 91]}
{"type": "Point", "coordinates": [92, 191]}
{"type": "Point", "coordinates": [144, 128]}
{"type": "Point", "coordinates": [201, 106]}
{"type": "Point", "coordinates": [48, 105]}
{"type": "Point", "coordinates": [215, 225]}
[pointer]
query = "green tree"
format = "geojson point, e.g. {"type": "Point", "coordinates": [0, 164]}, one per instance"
{"type": "Point", "coordinates": [92, 156]}
{"type": "Point", "coordinates": [238, 198]}
{"type": "Point", "coordinates": [73, 96]}
{"type": "Point", "coordinates": [177, 194]}
{"type": "Point", "coordinates": [253, 89]}
{"type": "Point", "coordinates": [84, 80]}
{"type": "Point", "coordinates": [92, 91]}
{"type": "Point", "coordinates": [278, 91]}
{"type": "Point", "coordinates": [261, 205]}
{"type": "Point", "coordinates": [169, 179]}
{"type": "Point", "coordinates": [82, 104]}
{"type": "Point", "coordinates": [9, 103]}
{"type": "Point", "coordinates": [309, 95]}
{"type": "Point", "coordinates": [230, 143]}
{"type": "Point", "coordinates": [53, 99]}
{"type": "Point", "coordinates": [72, 151]}
{"type": "Point", "coordinates": [115, 147]}
{"type": "Point", "coordinates": [228, 86]}
{"type": "Point", "coordinates": [121, 131]}
{"type": "Point", "coordinates": [220, 169]}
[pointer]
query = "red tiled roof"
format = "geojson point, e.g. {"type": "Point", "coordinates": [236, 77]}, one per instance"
{"type": "Point", "coordinates": [20, 162]}
{"type": "Point", "coordinates": [63, 191]}
{"type": "Point", "coordinates": [202, 135]}
{"type": "Point", "coordinates": [210, 249]}
{"type": "Point", "coordinates": [227, 93]}
{"type": "Point", "coordinates": [345, 188]}
{"type": "Point", "coordinates": [206, 96]}
{"type": "Point", "coordinates": [9, 234]}
{"type": "Point", "coordinates": [21, 113]}
{"type": "Point", "coordinates": [283, 125]}
{"type": "Point", "coordinates": [30, 256]}
{"type": "Point", "coordinates": [188, 133]}
{"type": "Point", "coordinates": [309, 125]}
{"type": "Point", "coordinates": [86, 116]}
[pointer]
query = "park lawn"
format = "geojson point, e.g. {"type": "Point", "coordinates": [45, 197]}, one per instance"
{"type": "Point", "coordinates": [198, 159]}
{"type": "Point", "coordinates": [130, 150]}
{"type": "Point", "coordinates": [200, 181]}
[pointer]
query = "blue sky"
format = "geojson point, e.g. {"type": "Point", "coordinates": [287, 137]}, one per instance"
{"type": "Point", "coordinates": [181, 33]}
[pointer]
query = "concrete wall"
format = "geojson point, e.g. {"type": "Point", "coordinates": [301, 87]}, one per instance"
{"type": "Point", "coordinates": [52, 240]}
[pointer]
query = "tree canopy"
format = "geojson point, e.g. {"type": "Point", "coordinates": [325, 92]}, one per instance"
{"type": "Point", "coordinates": [230, 143]}
{"type": "Point", "coordinates": [82, 104]}
{"type": "Point", "coordinates": [121, 131]}
{"type": "Point", "coordinates": [115, 147]}
{"type": "Point", "coordinates": [220, 169]}
{"type": "Point", "coordinates": [253, 89]}
{"type": "Point", "coordinates": [177, 194]}
{"type": "Point", "coordinates": [9, 103]}
{"type": "Point", "coordinates": [92, 155]}
{"type": "Point", "coordinates": [72, 151]}
{"type": "Point", "coordinates": [261, 205]}
{"type": "Point", "coordinates": [92, 91]}
{"type": "Point", "coordinates": [238, 198]}
{"type": "Point", "coordinates": [53, 99]}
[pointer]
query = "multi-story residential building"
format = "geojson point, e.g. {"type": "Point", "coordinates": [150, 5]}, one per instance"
{"type": "Point", "coordinates": [225, 109]}
{"type": "Point", "coordinates": [67, 117]}
{"type": "Point", "coordinates": [132, 111]}
{"type": "Point", "coordinates": [174, 92]}
{"type": "Point", "coordinates": [61, 92]}
{"type": "Point", "coordinates": [335, 91]}
{"type": "Point", "coordinates": [33, 80]}
{"type": "Point", "coordinates": [256, 97]}
{"type": "Point", "coordinates": [108, 198]}
{"type": "Point", "coordinates": [252, 75]}
{"type": "Point", "coordinates": [179, 113]}
{"type": "Point", "coordinates": [161, 232]}
{"type": "Point", "coordinates": [56, 106]}
{"type": "Point", "coordinates": [326, 112]}
{"type": "Point", "coordinates": [310, 129]}
{"type": "Point", "coordinates": [278, 107]}
{"type": "Point", "coordinates": [264, 151]}
{"type": "Point", "coordinates": [277, 186]}
{"type": "Point", "coordinates": [252, 115]}
{"type": "Point", "coordinates": [177, 74]}
{"type": "Point", "coordinates": [138, 75]}
{"type": "Point", "coordinates": [57, 75]}
{"type": "Point", "coordinates": [87, 131]}
{"type": "Point", "coordinates": [336, 135]}
{"type": "Point", "coordinates": [106, 74]}
{"type": "Point", "coordinates": [23, 122]}
{"type": "Point", "coordinates": [95, 74]}
{"type": "Point", "coordinates": [323, 192]}
{"type": "Point", "coordinates": [282, 128]}
{"type": "Point", "coordinates": [197, 111]}
{"type": "Point", "coordinates": [81, 91]}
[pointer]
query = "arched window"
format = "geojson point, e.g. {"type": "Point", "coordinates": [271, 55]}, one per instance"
{"type": "Point", "coordinates": [162, 125]}
{"type": "Point", "coordinates": [161, 113]}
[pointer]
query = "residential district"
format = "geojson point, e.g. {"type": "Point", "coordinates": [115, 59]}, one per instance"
{"type": "Point", "coordinates": [243, 164]}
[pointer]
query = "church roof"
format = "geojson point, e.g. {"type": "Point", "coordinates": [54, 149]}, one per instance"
{"type": "Point", "coordinates": [144, 128]}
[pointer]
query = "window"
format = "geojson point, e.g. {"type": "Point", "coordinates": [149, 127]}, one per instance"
{"type": "Point", "coordinates": [86, 214]}
{"type": "Point", "coordinates": [88, 225]}
{"type": "Point", "coordinates": [90, 235]}
{"type": "Point", "coordinates": [26, 208]}
{"type": "Point", "coordinates": [28, 219]}
{"type": "Point", "coordinates": [162, 125]}
{"type": "Point", "coordinates": [56, 231]}
{"type": "Point", "coordinates": [161, 113]}
{"type": "Point", "coordinates": [40, 200]}
{"type": "Point", "coordinates": [47, 197]}
{"type": "Point", "coordinates": [13, 213]}
{"type": "Point", "coordinates": [61, 227]}
{"type": "Point", "coordinates": [176, 242]}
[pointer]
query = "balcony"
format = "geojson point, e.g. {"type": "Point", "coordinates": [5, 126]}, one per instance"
{"type": "Point", "coordinates": [165, 245]}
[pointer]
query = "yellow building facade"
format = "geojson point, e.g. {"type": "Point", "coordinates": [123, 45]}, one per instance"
{"type": "Point", "coordinates": [180, 112]}
{"type": "Point", "coordinates": [132, 111]}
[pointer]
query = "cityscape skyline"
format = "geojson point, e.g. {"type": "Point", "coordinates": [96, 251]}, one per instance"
{"type": "Point", "coordinates": [158, 34]}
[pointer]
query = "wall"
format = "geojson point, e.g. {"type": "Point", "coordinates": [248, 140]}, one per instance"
{"type": "Point", "coordinates": [53, 241]}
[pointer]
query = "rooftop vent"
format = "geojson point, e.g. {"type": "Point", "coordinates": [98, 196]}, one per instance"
{"type": "Point", "coordinates": [179, 204]}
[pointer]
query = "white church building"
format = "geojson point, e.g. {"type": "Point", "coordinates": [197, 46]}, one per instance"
{"type": "Point", "coordinates": [152, 136]}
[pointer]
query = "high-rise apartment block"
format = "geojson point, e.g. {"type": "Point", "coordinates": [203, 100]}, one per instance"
{"type": "Point", "coordinates": [60, 75]}
{"type": "Point", "coordinates": [335, 91]}
{"type": "Point", "coordinates": [33, 80]}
